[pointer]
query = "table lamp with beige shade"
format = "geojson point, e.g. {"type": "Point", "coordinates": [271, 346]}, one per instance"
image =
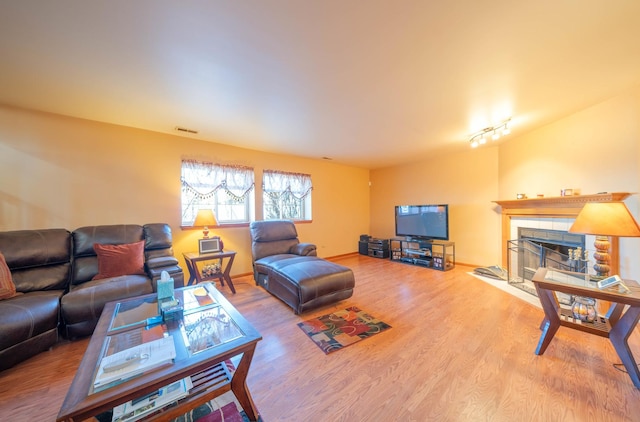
{"type": "Point", "coordinates": [604, 219]}
{"type": "Point", "coordinates": [204, 219]}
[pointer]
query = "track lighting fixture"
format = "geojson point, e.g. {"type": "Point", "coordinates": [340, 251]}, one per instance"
{"type": "Point", "coordinates": [480, 138]}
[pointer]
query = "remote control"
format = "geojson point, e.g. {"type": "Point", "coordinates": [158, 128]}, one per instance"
{"type": "Point", "coordinates": [614, 280]}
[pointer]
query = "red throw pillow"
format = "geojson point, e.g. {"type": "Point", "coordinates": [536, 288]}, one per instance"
{"type": "Point", "coordinates": [7, 288]}
{"type": "Point", "coordinates": [117, 260]}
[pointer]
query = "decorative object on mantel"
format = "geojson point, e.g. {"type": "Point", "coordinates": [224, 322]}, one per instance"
{"type": "Point", "coordinates": [574, 201]}
{"type": "Point", "coordinates": [521, 196]}
{"type": "Point", "coordinates": [500, 129]}
{"type": "Point", "coordinates": [604, 219]}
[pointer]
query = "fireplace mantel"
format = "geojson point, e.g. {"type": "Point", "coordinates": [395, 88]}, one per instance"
{"type": "Point", "coordinates": [574, 201]}
{"type": "Point", "coordinates": [554, 207]}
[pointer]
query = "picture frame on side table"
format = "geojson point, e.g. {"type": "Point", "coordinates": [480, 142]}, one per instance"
{"type": "Point", "coordinates": [209, 245]}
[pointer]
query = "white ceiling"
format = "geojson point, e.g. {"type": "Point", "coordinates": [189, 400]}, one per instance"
{"type": "Point", "coordinates": [369, 83]}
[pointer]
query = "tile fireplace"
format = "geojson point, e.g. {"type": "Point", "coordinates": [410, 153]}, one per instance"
{"type": "Point", "coordinates": [544, 219]}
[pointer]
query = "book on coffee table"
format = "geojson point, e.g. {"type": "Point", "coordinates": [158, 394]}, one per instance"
{"type": "Point", "coordinates": [142, 406]}
{"type": "Point", "coordinates": [128, 363]}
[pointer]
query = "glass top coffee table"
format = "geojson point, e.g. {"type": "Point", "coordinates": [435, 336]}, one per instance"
{"type": "Point", "coordinates": [204, 337]}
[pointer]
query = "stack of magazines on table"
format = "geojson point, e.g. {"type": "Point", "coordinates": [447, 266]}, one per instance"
{"type": "Point", "coordinates": [140, 407]}
{"type": "Point", "coordinates": [128, 363]}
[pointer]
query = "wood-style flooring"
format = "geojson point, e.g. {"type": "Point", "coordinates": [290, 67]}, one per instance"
{"type": "Point", "coordinates": [459, 350]}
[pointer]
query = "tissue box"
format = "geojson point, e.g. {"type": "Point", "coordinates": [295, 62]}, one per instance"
{"type": "Point", "coordinates": [165, 289]}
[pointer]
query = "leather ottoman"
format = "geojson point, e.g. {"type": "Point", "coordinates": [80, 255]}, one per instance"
{"type": "Point", "coordinates": [305, 282]}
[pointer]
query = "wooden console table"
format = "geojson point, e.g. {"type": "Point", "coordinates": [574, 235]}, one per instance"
{"type": "Point", "coordinates": [195, 275]}
{"type": "Point", "coordinates": [616, 325]}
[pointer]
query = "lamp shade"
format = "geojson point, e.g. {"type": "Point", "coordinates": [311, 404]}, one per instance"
{"type": "Point", "coordinates": [606, 219]}
{"type": "Point", "coordinates": [204, 218]}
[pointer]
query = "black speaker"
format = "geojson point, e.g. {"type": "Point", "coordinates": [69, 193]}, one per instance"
{"type": "Point", "coordinates": [363, 248]}
{"type": "Point", "coordinates": [364, 237]}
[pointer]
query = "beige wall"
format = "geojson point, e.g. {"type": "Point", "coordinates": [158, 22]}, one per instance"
{"type": "Point", "coordinates": [63, 172]}
{"type": "Point", "coordinates": [595, 150]}
{"type": "Point", "coordinates": [467, 181]}
{"type": "Point", "coordinates": [57, 171]}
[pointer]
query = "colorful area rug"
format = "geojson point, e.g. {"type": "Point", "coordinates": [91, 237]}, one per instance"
{"type": "Point", "coordinates": [221, 409]}
{"type": "Point", "coordinates": [341, 329]}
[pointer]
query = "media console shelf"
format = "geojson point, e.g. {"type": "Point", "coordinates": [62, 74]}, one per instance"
{"type": "Point", "coordinates": [439, 255]}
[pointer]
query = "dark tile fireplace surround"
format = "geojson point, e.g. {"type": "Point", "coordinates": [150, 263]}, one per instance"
{"type": "Point", "coordinates": [536, 247]}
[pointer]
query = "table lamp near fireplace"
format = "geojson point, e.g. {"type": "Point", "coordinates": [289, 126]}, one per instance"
{"type": "Point", "coordinates": [604, 219]}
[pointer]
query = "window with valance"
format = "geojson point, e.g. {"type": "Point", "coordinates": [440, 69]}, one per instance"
{"type": "Point", "coordinates": [226, 189]}
{"type": "Point", "coordinates": [286, 195]}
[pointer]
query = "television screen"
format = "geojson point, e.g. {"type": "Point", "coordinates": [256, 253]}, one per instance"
{"type": "Point", "coordinates": [423, 221]}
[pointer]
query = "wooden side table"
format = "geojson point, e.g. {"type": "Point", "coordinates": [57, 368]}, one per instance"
{"type": "Point", "coordinates": [617, 324]}
{"type": "Point", "coordinates": [195, 275]}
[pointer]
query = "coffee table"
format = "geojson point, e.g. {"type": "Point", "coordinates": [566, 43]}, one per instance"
{"type": "Point", "coordinates": [617, 324]}
{"type": "Point", "coordinates": [208, 334]}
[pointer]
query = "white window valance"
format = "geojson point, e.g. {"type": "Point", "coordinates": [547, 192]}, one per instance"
{"type": "Point", "coordinates": [203, 180]}
{"type": "Point", "coordinates": [276, 182]}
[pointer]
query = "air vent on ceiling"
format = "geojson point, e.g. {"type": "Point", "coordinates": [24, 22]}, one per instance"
{"type": "Point", "coordinates": [184, 129]}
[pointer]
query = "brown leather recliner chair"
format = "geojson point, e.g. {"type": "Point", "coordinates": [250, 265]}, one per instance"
{"type": "Point", "coordinates": [292, 272]}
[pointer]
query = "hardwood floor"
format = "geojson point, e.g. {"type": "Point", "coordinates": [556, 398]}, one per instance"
{"type": "Point", "coordinates": [459, 350]}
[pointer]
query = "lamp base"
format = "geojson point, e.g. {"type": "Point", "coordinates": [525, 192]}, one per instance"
{"type": "Point", "coordinates": [602, 256]}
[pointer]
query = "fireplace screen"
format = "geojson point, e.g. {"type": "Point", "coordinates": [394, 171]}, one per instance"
{"type": "Point", "coordinates": [528, 253]}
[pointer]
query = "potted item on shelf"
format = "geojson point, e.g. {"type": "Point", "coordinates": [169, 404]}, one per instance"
{"type": "Point", "coordinates": [210, 270]}
{"type": "Point", "coordinates": [584, 309]}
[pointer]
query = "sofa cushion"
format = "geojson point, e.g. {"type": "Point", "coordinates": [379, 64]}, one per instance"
{"type": "Point", "coordinates": [85, 265]}
{"type": "Point", "coordinates": [38, 259]}
{"type": "Point", "coordinates": [84, 303]}
{"type": "Point", "coordinates": [28, 315]}
{"type": "Point", "coordinates": [7, 288]}
{"type": "Point", "coordinates": [117, 260]}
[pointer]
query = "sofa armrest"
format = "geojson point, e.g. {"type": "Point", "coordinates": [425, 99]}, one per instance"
{"type": "Point", "coordinates": [304, 249]}
{"type": "Point", "coordinates": [156, 265]}
{"type": "Point", "coordinates": [161, 261]}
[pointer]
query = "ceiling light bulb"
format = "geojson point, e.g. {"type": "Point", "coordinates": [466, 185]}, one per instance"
{"type": "Point", "coordinates": [474, 144]}
{"type": "Point", "coordinates": [496, 135]}
{"type": "Point", "coordinates": [506, 130]}
{"type": "Point", "coordinates": [483, 140]}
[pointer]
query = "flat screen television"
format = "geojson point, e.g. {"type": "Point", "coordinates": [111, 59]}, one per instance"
{"type": "Point", "coordinates": [423, 221]}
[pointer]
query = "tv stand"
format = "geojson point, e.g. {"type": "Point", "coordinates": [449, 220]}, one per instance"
{"type": "Point", "coordinates": [439, 255]}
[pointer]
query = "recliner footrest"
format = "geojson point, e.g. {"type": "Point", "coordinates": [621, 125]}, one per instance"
{"type": "Point", "coordinates": [306, 282]}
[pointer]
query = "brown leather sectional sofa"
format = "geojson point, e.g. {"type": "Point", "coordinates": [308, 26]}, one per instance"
{"type": "Point", "coordinates": [53, 270]}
